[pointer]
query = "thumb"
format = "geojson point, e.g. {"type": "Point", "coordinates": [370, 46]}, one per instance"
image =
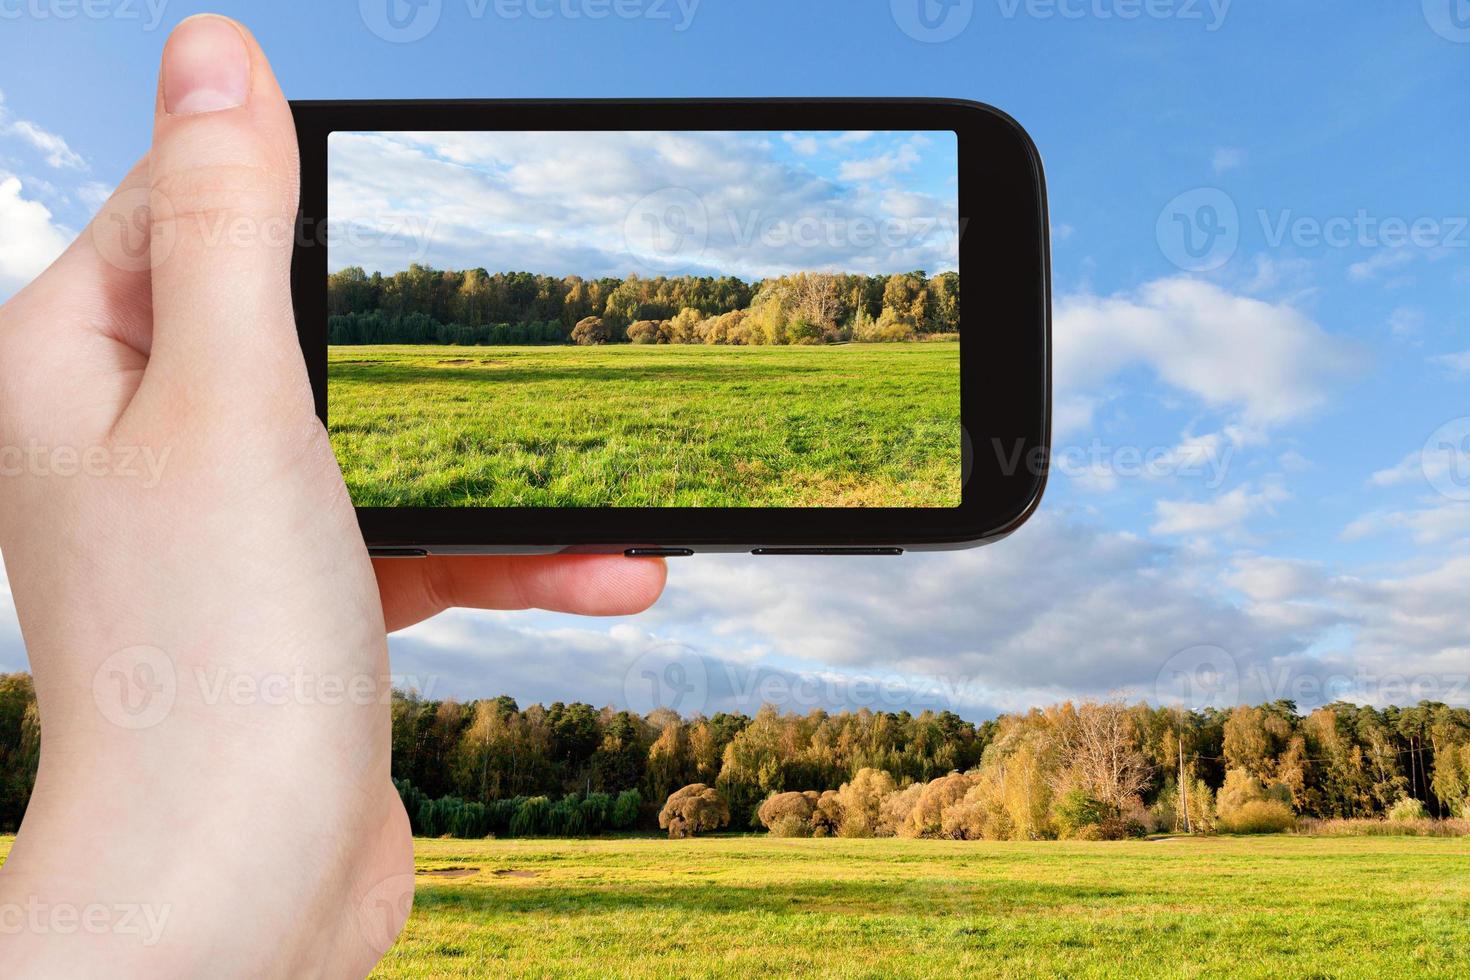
{"type": "Point", "coordinates": [223, 191]}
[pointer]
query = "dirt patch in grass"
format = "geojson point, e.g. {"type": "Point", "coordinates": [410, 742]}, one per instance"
{"type": "Point", "coordinates": [450, 872]}
{"type": "Point", "coordinates": [512, 873]}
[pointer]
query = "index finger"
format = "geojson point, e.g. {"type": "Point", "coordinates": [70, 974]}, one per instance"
{"type": "Point", "coordinates": [413, 589]}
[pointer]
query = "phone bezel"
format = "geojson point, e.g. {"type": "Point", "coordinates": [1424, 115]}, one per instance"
{"type": "Point", "coordinates": [1005, 378]}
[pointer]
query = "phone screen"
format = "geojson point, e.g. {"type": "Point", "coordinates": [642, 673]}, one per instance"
{"type": "Point", "coordinates": [669, 319]}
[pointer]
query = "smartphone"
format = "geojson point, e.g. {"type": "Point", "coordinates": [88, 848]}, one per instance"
{"type": "Point", "coordinates": [663, 327]}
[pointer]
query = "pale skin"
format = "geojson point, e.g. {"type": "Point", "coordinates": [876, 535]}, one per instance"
{"type": "Point", "coordinates": [244, 824]}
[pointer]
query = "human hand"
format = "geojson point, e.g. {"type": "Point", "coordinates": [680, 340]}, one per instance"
{"type": "Point", "coordinates": [205, 629]}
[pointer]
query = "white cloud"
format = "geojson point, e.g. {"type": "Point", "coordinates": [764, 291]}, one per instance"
{"type": "Point", "coordinates": [1223, 512]}
{"type": "Point", "coordinates": [93, 194]}
{"type": "Point", "coordinates": [1444, 464]}
{"type": "Point", "coordinates": [1405, 322]}
{"type": "Point", "coordinates": [32, 239]}
{"type": "Point", "coordinates": [1457, 364]}
{"type": "Point", "coordinates": [1379, 262]}
{"type": "Point", "coordinates": [1227, 158]}
{"type": "Point", "coordinates": [874, 168]}
{"type": "Point", "coordinates": [52, 147]}
{"type": "Point", "coordinates": [807, 146]}
{"type": "Point", "coordinates": [1437, 523]}
{"type": "Point", "coordinates": [1268, 362]}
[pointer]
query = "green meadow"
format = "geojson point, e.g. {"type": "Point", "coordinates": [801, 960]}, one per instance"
{"type": "Point", "coordinates": [632, 425]}
{"type": "Point", "coordinates": [743, 906]}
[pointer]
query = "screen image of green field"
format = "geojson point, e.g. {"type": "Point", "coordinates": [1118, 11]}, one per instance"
{"type": "Point", "coordinates": [645, 426]}
{"type": "Point", "coordinates": [661, 319]}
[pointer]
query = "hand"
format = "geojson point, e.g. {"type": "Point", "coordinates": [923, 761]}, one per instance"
{"type": "Point", "coordinates": [205, 629]}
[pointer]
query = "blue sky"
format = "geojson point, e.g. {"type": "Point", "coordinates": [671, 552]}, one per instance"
{"type": "Point", "coordinates": [1295, 369]}
{"type": "Point", "coordinates": [594, 204]}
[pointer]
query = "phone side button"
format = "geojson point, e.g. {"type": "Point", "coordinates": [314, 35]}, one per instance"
{"type": "Point", "coordinates": [398, 553]}
{"type": "Point", "coordinates": [659, 552]}
{"type": "Point", "coordinates": [871, 552]}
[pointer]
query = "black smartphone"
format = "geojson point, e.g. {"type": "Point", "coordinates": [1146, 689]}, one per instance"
{"type": "Point", "coordinates": [667, 327]}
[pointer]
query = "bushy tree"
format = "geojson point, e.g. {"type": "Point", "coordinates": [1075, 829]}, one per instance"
{"type": "Point", "coordinates": [861, 801]}
{"type": "Point", "coordinates": [788, 814]}
{"type": "Point", "coordinates": [589, 331]}
{"type": "Point", "coordinates": [695, 809]}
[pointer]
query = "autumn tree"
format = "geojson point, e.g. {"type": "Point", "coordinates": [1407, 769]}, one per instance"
{"type": "Point", "coordinates": [695, 809]}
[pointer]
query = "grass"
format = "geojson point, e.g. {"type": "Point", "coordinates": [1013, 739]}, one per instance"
{"type": "Point", "coordinates": [758, 906]}
{"type": "Point", "coordinates": [648, 426]}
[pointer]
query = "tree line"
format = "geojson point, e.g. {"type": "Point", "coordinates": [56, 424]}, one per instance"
{"type": "Point", "coordinates": [1091, 769]}
{"type": "Point", "coordinates": [422, 305]}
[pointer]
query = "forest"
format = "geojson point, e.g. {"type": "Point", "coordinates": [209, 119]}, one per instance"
{"type": "Point", "coordinates": [422, 305]}
{"type": "Point", "coordinates": [1091, 769]}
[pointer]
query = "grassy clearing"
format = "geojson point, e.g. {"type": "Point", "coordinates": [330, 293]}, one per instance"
{"type": "Point", "coordinates": [756, 906]}
{"type": "Point", "coordinates": [646, 426]}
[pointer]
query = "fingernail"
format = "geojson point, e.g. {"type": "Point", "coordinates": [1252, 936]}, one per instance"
{"type": "Point", "coordinates": [205, 67]}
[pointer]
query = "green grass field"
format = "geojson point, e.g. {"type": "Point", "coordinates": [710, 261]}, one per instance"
{"type": "Point", "coordinates": [649, 426]}
{"type": "Point", "coordinates": [759, 906]}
